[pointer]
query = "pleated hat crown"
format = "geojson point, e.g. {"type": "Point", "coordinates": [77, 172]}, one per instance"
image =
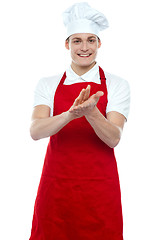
{"type": "Point", "coordinates": [81, 18]}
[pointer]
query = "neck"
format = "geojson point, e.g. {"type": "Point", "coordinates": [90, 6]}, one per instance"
{"type": "Point", "coordinates": [80, 70]}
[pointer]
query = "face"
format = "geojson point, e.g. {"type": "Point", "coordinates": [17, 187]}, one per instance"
{"type": "Point", "coordinates": [83, 48]}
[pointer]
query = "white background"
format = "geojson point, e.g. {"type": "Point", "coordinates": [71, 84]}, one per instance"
{"type": "Point", "coordinates": [32, 47]}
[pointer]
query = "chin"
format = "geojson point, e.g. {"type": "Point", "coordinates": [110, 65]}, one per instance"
{"type": "Point", "coordinates": [86, 63]}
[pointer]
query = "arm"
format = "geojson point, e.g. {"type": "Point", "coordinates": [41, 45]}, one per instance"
{"type": "Point", "coordinates": [43, 125]}
{"type": "Point", "coordinates": [108, 130]}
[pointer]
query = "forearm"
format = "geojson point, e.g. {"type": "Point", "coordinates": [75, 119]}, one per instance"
{"type": "Point", "coordinates": [108, 132]}
{"type": "Point", "coordinates": [46, 127]}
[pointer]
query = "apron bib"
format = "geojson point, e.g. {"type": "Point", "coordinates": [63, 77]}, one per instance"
{"type": "Point", "coordinates": [79, 193]}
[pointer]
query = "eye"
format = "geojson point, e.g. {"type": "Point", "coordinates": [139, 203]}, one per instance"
{"type": "Point", "coordinates": [92, 40]}
{"type": "Point", "coordinates": [76, 41]}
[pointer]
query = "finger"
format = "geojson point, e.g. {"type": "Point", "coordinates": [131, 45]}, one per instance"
{"type": "Point", "coordinates": [87, 93]}
{"type": "Point", "coordinates": [81, 96]}
{"type": "Point", "coordinates": [78, 100]}
{"type": "Point", "coordinates": [75, 108]}
{"type": "Point", "coordinates": [72, 109]}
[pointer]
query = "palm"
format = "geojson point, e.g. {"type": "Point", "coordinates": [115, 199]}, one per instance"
{"type": "Point", "coordinates": [85, 103]}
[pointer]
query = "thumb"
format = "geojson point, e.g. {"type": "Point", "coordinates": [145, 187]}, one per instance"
{"type": "Point", "coordinates": [99, 94]}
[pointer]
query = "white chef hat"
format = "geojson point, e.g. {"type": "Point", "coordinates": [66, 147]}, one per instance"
{"type": "Point", "coordinates": [81, 18]}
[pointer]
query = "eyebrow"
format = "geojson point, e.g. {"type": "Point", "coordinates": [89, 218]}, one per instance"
{"type": "Point", "coordinates": [77, 38]}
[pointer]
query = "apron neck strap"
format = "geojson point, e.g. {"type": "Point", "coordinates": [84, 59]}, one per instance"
{"type": "Point", "coordinates": [102, 75]}
{"type": "Point", "coordinates": [63, 78]}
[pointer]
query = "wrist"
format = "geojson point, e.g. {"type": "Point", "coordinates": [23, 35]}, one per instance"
{"type": "Point", "coordinates": [68, 116]}
{"type": "Point", "coordinates": [93, 113]}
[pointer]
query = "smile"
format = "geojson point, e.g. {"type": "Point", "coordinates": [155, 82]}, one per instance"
{"type": "Point", "coordinates": [84, 55]}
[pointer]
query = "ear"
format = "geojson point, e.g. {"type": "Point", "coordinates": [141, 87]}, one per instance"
{"type": "Point", "coordinates": [67, 44]}
{"type": "Point", "coordinates": [99, 43]}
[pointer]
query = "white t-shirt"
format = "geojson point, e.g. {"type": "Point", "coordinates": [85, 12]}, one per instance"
{"type": "Point", "coordinates": [118, 89]}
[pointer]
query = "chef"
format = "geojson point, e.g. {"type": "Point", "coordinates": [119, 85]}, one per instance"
{"type": "Point", "coordinates": [83, 111]}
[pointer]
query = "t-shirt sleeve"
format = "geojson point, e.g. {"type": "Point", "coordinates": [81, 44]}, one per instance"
{"type": "Point", "coordinates": [119, 97]}
{"type": "Point", "coordinates": [42, 94]}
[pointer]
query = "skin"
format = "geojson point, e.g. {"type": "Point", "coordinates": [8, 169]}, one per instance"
{"type": "Point", "coordinates": [83, 48]}
{"type": "Point", "coordinates": [79, 46]}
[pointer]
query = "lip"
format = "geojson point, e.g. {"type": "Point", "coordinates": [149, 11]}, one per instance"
{"type": "Point", "coordinates": [84, 55]}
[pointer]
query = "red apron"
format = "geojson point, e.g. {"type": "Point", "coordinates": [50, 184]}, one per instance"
{"type": "Point", "coordinates": [79, 194]}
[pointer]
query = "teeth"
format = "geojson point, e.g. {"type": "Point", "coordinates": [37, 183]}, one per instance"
{"type": "Point", "coordinates": [84, 55]}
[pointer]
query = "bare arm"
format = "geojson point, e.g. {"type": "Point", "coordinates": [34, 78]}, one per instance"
{"type": "Point", "coordinates": [108, 130]}
{"type": "Point", "coordinates": [43, 125]}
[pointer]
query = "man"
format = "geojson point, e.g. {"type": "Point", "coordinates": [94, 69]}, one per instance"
{"type": "Point", "coordinates": [83, 112]}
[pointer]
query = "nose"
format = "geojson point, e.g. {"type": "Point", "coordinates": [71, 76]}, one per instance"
{"type": "Point", "coordinates": [84, 46]}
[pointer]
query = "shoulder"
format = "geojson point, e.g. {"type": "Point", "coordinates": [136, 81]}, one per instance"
{"type": "Point", "coordinates": [115, 82]}
{"type": "Point", "coordinates": [45, 89]}
{"type": "Point", "coordinates": [49, 82]}
{"type": "Point", "coordinates": [118, 94]}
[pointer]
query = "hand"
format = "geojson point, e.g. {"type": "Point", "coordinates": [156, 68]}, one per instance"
{"type": "Point", "coordinates": [84, 104]}
{"type": "Point", "coordinates": [83, 96]}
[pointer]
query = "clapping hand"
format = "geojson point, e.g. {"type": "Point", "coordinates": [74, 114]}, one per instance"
{"type": "Point", "coordinates": [84, 103]}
